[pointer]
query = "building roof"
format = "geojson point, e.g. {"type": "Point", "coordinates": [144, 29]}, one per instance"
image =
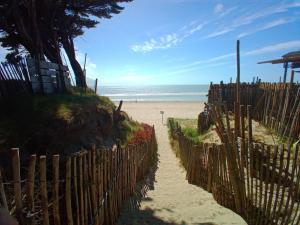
{"type": "Point", "coordinates": [293, 57]}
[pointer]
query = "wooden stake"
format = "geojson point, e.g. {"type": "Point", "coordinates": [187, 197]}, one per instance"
{"type": "Point", "coordinates": [96, 85]}
{"type": "Point", "coordinates": [68, 193]}
{"type": "Point", "coordinates": [30, 189]}
{"type": "Point", "coordinates": [82, 210]}
{"type": "Point", "coordinates": [2, 193]}
{"type": "Point", "coordinates": [238, 94]}
{"type": "Point", "coordinates": [55, 162]}
{"type": "Point", "coordinates": [43, 190]}
{"type": "Point", "coordinates": [17, 183]}
{"type": "Point", "coordinates": [75, 180]}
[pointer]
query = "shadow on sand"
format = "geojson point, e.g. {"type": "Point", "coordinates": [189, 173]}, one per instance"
{"type": "Point", "coordinates": [133, 215]}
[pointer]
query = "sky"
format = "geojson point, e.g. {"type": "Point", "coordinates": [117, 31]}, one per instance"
{"type": "Point", "coordinates": [190, 41]}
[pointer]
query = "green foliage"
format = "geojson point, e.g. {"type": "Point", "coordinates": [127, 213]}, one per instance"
{"type": "Point", "coordinates": [191, 123]}
{"type": "Point", "coordinates": [188, 128]}
{"type": "Point", "coordinates": [23, 117]}
{"type": "Point", "coordinates": [171, 125]}
{"type": "Point", "coordinates": [61, 106]}
{"type": "Point", "coordinates": [192, 134]}
{"type": "Point", "coordinates": [127, 128]}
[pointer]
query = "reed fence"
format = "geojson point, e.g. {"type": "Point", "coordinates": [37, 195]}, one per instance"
{"type": "Point", "coordinates": [259, 182]}
{"type": "Point", "coordinates": [14, 79]}
{"type": "Point", "coordinates": [86, 188]}
{"type": "Point", "coordinates": [275, 105]}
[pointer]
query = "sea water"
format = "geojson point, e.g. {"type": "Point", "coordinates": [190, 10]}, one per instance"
{"type": "Point", "coordinates": [156, 93]}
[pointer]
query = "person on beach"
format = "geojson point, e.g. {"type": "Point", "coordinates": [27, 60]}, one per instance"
{"type": "Point", "coordinates": [6, 219]}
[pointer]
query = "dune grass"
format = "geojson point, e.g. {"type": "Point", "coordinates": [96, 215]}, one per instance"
{"type": "Point", "coordinates": [189, 129]}
{"type": "Point", "coordinates": [21, 118]}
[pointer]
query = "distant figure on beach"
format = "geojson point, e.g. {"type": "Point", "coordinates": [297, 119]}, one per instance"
{"type": "Point", "coordinates": [6, 219]}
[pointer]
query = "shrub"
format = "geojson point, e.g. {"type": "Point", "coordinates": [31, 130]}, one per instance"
{"type": "Point", "coordinates": [142, 135]}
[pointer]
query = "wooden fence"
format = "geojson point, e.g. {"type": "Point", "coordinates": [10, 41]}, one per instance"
{"type": "Point", "coordinates": [204, 119]}
{"type": "Point", "coordinates": [276, 105]}
{"type": "Point", "coordinates": [86, 188]}
{"type": "Point", "coordinates": [259, 182]}
{"type": "Point", "coordinates": [46, 77]}
{"type": "Point", "coordinates": [14, 80]}
{"type": "Point", "coordinates": [31, 76]}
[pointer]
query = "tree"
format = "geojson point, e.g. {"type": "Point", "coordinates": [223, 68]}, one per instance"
{"type": "Point", "coordinates": [42, 27]}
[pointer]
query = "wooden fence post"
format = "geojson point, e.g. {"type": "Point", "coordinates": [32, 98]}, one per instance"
{"type": "Point", "coordinates": [96, 85]}
{"type": "Point", "coordinates": [55, 165]}
{"type": "Point", "coordinates": [17, 183]}
{"type": "Point", "coordinates": [30, 189]}
{"type": "Point", "coordinates": [68, 192]}
{"type": "Point", "coordinates": [82, 211]}
{"type": "Point", "coordinates": [43, 189]}
{"type": "Point", "coordinates": [93, 188]}
{"type": "Point", "coordinates": [2, 193]}
{"type": "Point", "coordinates": [210, 169]}
{"type": "Point", "coordinates": [238, 88]}
{"type": "Point", "coordinates": [75, 181]}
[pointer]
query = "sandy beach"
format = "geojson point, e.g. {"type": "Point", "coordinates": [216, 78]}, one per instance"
{"type": "Point", "coordinates": [168, 198]}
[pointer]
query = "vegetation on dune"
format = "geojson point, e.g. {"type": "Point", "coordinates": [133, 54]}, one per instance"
{"type": "Point", "coordinates": [127, 129]}
{"type": "Point", "coordinates": [190, 130]}
{"type": "Point", "coordinates": [141, 134]}
{"type": "Point", "coordinates": [62, 106]}
{"type": "Point", "coordinates": [63, 122]}
{"type": "Point", "coordinates": [260, 132]}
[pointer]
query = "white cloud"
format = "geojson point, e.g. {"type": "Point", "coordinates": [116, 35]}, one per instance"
{"type": "Point", "coordinates": [274, 48]}
{"type": "Point", "coordinates": [163, 42]}
{"type": "Point", "coordinates": [204, 63]}
{"type": "Point", "coordinates": [266, 26]}
{"type": "Point", "coordinates": [219, 32]}
{"type": "Point", "coordinates": [169, 40]}
{"type": "Point", "coordinates": [227, 11]}
{"type": "Point", "coordinates": [207, 61]}
{"type": "Point", "coordinates": [229, 58]}
{"type": "Point", "coordinates": [252, 17]}
{"type": "Point", "coordinates": [221, 11]}
{"type": "Point", "coordinates": [193, 68]}
{"type": "Point", "coordinates": [219, 8]}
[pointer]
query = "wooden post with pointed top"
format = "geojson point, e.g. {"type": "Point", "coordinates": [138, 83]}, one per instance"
{"type": "Point", "coordinates": [43, 190]}
{"type": "Point", "coordinates": [68, 194]}
{"type": "Point", "coordinates": [96, 85]}
{"type": "Point", "coordinates": [2, 194]}
{"type": "Point", "coordinates": [30, 189]}
{"type": "Point", "coordinates": [55, 162]}
{"type": "Point", "coordinates": [238, 94]}
{"type": "Point", "coordinates": [17, 183]}
{"type": "Point", "coordinates": [285, 65]}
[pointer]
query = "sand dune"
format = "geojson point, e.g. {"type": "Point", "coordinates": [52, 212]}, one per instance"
{"type": "Point", "coordinates": [170, 199]}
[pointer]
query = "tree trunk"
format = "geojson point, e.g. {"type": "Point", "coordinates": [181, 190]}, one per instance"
{"type": "Point", "coordinates": [78, 72]}
{"type": "Point", "coordinates": [52, 52]}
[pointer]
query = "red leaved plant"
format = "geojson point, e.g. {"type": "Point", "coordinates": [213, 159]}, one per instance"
{"type": "Point", "coordinates": [142, 135]}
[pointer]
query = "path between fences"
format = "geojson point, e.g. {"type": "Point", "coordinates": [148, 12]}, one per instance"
{"type": "Point", "coordinates": [166, 197]}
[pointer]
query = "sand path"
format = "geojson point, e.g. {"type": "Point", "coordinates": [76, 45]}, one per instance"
{"type": "Point", "coordinates": [171, 200]}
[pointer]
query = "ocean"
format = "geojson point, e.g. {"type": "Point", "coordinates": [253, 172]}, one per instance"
{"type": "Point", "coordinates": [156, 93]}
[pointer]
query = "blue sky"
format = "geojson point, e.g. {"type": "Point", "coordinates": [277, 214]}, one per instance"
{"type": "Point", "coordinates": [190, 41]}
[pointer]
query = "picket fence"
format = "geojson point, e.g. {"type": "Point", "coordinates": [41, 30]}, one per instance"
{"type": "Point", "coordinates": [257, 181]}
{"type": "Point", "coordinates": [275, 105]}
{"type": "Point", "coordinates": [14, 80]}
{"type": "Point", "coordinates": [86, 188]}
